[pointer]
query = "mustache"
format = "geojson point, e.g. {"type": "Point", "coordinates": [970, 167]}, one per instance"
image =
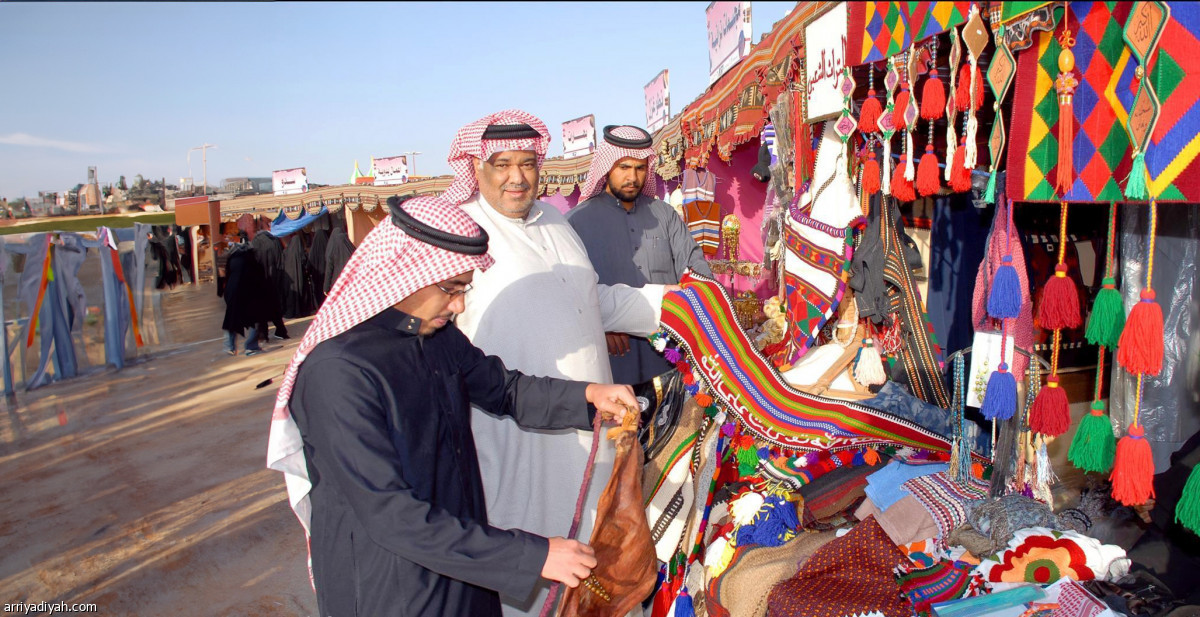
{"type": "Point", "coordinates": [515, 187]}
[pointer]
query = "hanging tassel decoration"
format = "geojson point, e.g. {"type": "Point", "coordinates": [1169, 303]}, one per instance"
{"type": "Point", "coordinates": [683, 604]}
{"type": "Point", "coordinates": [1004, 301]}
{"type": "Point", "coordinates": [871, 174]}
{"type": "Point", "coordinates": [872, 109]}
{"type": "Point", "coordinates": [1051, 412]}
{"type": "Point", "coordinates": [868, 368]}
{"type": "Point", "coordinates": [963, 98]}
{"type": "Point", "coordinates": [1187, 511]}
{"type": "Point", "coordinates": [1140, 350]}
{"type": "Point", "coordinates": [928, 182]}
{"type": "Point", "coordinates": [1107, 318]}
{"type": "Point", "coordinates": [902, 187]}
{"type": "Point", "coordinates": [933, 94]}
{"type": "Point", "coordinates": [1059, 307]}
{"type": "Point", "coordinates": [960, 176]}
{"type": "Point", "coordinates": [901, 107]}
{"type": "Point", "coordinates": [1000, 398]}
{"type": "Point", "coordinates": [1135, 188]}
{"type": "Point", "coordinates": [1065, 85]}
{"type": "Point", "coordinates": [1133, 466]}
{"type": "Point", "coordinates": [1094, 445]}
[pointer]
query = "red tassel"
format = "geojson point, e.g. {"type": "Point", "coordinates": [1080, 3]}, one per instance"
{"type": "Point", "coordinates": [868, 116]}
{"type": "Point", "coordinates": [902, 189]}
{"type": "Point", "coordinates": [1140, 349]}
{"type": "Point", "coordinates": [933, 98]}
{"type": "Point", "coordinates": [960, 176]}
{"type": "Point", "coordinates": [1133, 469]}
{"type": "Point", "coordinates": [899, 106]}
{"type": "Point", "coordinates": [928, 180]}
{"type": "Point", "coordinates": [1066, 139]}
{"type": "Point", "coordinates": [1059, 307]}
{"type": "Point", "coordinates": [962, 95]}
{"type": "Point", "coordinates": [1051, 412]}
{"type": "Point", "coordinates": [871, 175]}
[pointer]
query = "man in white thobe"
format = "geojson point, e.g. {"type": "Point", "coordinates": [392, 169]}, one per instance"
{"type": "Point", "coordinates": [540, 309]}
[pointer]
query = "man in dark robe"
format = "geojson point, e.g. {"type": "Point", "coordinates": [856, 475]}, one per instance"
{"type": "Point", "coordinates": [243, 291]}
{"type": "Point", "coordinates": [372, 428]}
{"type": "Point", "coordinates": [268, 250]}
{"type": "Point", "coordinates": [337, 253]}
{"type": "Point", "coordinates": [632, 237]}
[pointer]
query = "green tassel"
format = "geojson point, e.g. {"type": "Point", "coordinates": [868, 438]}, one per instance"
{"type": "Point", "coordinates": [747, 461]}
{"type": "Point", "coordinates": [1187, 511]}
{"type": "Point", "coordinates": [1135, 188]}
{"type": "Point", "coordinates": [1094, 445]}
{"type": "Point", "coordinates": [990, 194]}
{"type": "Point", "coordinates": [1107, 320]}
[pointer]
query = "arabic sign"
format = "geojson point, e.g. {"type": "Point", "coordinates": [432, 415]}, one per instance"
{"type": "Point", "coordinates": [824, 58]}
{"type": "Point", "coordinates": [729, 36]}
{"type": "Point", "coordinates": [290, 181]}
{"type": "Point", "coordinates": [658, 102]}
{"type": "Point", "coordinates": [579, 137]}
{"type": "Point", "coordinates": [390, 170]}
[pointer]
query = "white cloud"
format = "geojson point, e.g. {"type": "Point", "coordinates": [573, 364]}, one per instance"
{"type": "Point", "coordinates": [25, 139]}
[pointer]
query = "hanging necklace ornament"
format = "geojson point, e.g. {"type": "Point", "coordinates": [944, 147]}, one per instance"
{"type": "Point", "coordinates": [1065, 85]}
{"type": "Point", "coordinates": [933, 104]}
{"type": "Point", "coordinates": [910, 114]}
{"type": "Point", "coordinates": [1000, 77]}
{"type": "Point", "coordinates": [1145, 26]}
{"type": "Point", "coordinates": [887, 124]}
{"type": "Point", "coordinates": [951, 107]}
{"type": "Point", "coordinates": [846, 125]}
{"type": "Point", "coordinates": [731, 230]}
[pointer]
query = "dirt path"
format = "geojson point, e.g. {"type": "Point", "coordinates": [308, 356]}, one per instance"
{"type": "Point", "coordinates": [144, 491]}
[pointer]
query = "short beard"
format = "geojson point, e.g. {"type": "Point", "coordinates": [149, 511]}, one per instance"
{"type": "Point", "coordinates": [518, 212]}
{"type": "Point", "coordinates": [618, 192]}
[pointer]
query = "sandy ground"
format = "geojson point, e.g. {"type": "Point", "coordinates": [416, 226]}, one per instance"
{"type": "Point", "coordinates": [144, 490]}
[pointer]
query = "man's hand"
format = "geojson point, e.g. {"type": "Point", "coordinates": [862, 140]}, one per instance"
{"type": "Point", "coordinates": [611, 400]}
{"type": "Point", "coordinates": [568, 562]}
{"type": "Point", "coordinates": [618, 344]}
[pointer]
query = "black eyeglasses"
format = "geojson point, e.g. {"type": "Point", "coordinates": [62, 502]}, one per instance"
{"type": "Point", "coordinates": [453, 293]}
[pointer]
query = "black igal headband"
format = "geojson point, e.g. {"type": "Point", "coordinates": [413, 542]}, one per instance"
{"type": "Point", "coordinates": [466, 245]}
{"type": "Point", "coordinates": [511, 131]}
{"type": "Point", "coordinates": [625, 142]}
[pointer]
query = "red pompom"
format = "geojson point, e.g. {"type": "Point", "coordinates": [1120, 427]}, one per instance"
{"type": "Point", "coordinates": [1051, 412]}
{"type": "Point", "coordinates": [928, 175]}
{"type": "Point", "coordinates": [962, 95]}
{"type": "Point", "coordinates": [960, 176]}
{"type": "Point", "coordinates": [902, 188]}
{"type": "Point", "coordinates": [868, 116]}
{"type": "Point", "coordinates": [899, 106]}
{"type": "Point", "coordinates": [1059, 307]}
{"type": "Point", "coordinates": [1133, 469]}
{"type": "Point", "coordinates": [1140, 349]}
{"type": "Point", "coordinates": [871, 175]}
{"type": "Point", "coordinates": [933, 98]}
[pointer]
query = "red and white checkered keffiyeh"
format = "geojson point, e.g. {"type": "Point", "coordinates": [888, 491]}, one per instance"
{"type": "Point", "coordinates": [608, 154]}
{"type": "Point", "coordinates": [387, 267]}
{"type": "Point", "coordinates": [469, 142]}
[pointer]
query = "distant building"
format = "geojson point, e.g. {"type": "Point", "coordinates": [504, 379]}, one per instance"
{"type": "Point", "coordinates": [246, 186]}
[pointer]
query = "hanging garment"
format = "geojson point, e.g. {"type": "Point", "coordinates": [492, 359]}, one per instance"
{"type": "Point", "coordinates": [297, 284]}
{"type": "Point", "coordinates": [337, 253]}
{"type": "Point", "coordinates": [698, 186]}
{"type": "Point", "coordinates": [817, 246]}
{"type": "Point", "coordinates": [316, 262]}
{"type": "Point", "coordinates": [703, 220]}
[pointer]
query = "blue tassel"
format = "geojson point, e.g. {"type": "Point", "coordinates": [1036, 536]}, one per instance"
{"type": "Point", "coordinates": [1000, 398]}
{"type": "Point", "coordinates": [774, 525]}
{"type": "Point", "coordinates": [1004, 301]}
{"type": "Point", "coordinates": [683, 604]}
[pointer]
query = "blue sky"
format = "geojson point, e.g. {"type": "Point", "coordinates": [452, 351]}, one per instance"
{"type": "Point", "coordinates": [131, 87]}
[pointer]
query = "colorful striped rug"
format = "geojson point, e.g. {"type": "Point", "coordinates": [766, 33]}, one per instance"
{"type": "Point", "coordinates": [700, 318]}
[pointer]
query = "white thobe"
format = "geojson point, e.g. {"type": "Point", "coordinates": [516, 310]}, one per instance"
{"type": "Point", "coordinates": [541, 310]}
